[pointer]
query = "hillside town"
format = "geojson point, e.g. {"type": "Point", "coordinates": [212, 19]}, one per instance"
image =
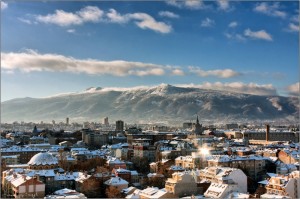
{"type": "Point", "coordinates": [119, 160]}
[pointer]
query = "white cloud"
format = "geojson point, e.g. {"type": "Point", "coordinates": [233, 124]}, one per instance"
{"type": "Point", "coordinates": [224, 5]}
{"type": "Point", "coordinates": [207, 22]}
{"type": "Point", "coordinates": [270, 9]}
{"type": "Point", "coordinates": [189, 4]}
{"type": "Point", "coordinates": [116, 17]}
{"type": "Point", "coordinates": [239, 87]}
{"type": "Point", "coordinates": [71, 30]}
{"type": "Point", "coordinates": [294, 89]}
{"type": "Point", "coordinates": [3, 5]}
{"type": "Point", "coordinates": [94, 14]}
{"type": "Point", "coordinates": [295, 18]}
{"type": "Point", "coordinates": [293, 27]}
{"type": "Point", "coordinates": [27, 21]}
{"type": "Point", "coordinates": [232, 24]}
{"type": "Point", "coordinates": [142, 20]}
{"type": "Point", "coordinates": [261, 34]}
{"type": "Point", "coordinates": [145, 21]}
{"type": "Point", "coordinates": [178, 72]}
{"type": "Point", "coordinates": [62, 18]}
{"type": "Point", "coordinates": [235, 36]}
{"type": "Point", "coordinates": [221, 73]}
{"type": "Point", "coordinates": [30, 61]}
{"type": "Point", "coordinates": [168, 14]}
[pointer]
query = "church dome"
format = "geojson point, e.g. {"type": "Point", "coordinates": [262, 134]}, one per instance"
{"type": "Point", "coordinates": [43, 159]}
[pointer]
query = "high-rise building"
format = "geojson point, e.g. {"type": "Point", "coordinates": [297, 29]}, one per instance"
{"type": "Point", "coordinates": [119, 125]}
{"type": "Point", "coordinates": [105, 121]}
{"type": "Point", "coordinates": [67, 121]}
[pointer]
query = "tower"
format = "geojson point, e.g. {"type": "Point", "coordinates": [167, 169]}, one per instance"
{"type": "Point", "coordinates": [198, 127]}
{"type": "Point", "coordinates": [267, 133]}
{"type": "Point", "coordinates": [105, 121]}
{"type": "Point", "coordinates": [67, 121]}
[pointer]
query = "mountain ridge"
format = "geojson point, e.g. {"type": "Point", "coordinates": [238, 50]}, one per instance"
{"type": "Point", "coordinates": [161, 103]}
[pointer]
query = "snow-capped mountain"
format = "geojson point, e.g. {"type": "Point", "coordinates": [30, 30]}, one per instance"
{"type": "Point", "coordinates": [161, 103]}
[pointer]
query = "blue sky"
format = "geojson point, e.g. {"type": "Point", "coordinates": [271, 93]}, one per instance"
{"type": "Point", "coordinates": [57, 47]}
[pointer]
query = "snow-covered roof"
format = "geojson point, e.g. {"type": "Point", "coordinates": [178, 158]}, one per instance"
{"type": "Point", "coordinates": [120, 170]}
{"type": "Point", "coordinates": [134, 195]}
{"type": "Point", "coordinates": [238, 195]}
{"type": "Point", "coordinates": [176, 168]}
{"type": "Point", "coordinates": [43, 159]}
{"type": "Point", "coordinates": [158, 194]}
{"type": "Point", "coordinates": [66, 194]}
{"type": "Point", "coordinates": [19, 149]}
{"type": "Point", "coordinates": [154, 175]}
{"type": "Point", "coordinates": [215, 190]}
{"type": "Point", "coordinates": [77, 176]}
{"type": "Point", "coordinates": [149, 191]}
{"type": "Point", "coordinates": [65, 191]}
{"type": "Point", "coordinates": [115, 181]}
{"type": "Point", "coordinates": [46, 173]}
{"type": "Point", "coordinates": [272, 196]}
{"type": "Point", "coordinates": [19, 180]}
{"type": "Point", "coordinates": [114, 160]}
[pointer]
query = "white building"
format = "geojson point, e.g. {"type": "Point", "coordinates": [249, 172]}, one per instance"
{"type": "Point", "coordinates": [284, 186]}
{"type": "Point", "coordinates": [218, 190]}
{"type": "Point", "coordinates": [224, 175]}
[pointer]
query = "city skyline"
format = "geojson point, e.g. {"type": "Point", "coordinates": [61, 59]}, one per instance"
{"type": "Point", "coordinates": [57, 47]}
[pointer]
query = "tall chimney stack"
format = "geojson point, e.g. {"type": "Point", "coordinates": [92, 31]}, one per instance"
{"type": "Point", "coordinates": [267, 133]}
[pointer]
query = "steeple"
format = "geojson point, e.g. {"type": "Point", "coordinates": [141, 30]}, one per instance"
{"type": "Point", "coordinates": [198, 127]}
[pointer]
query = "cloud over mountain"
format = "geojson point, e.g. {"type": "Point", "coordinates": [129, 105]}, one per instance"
{"type": "Point", "coordinates": [31, 60]}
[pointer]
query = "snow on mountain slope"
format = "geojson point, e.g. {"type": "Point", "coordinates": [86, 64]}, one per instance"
{"type": "Point", "coordinates": [161, 103]}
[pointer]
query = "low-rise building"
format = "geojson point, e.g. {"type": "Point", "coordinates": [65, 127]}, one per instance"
{"type": "Point", "coordinates": [287, 186]}
{"type": "Point", "coordinates": [181, 184]}
{"type": "Point", "coordinates": [117, 182]}
{"type": "Point", "coordinates": [253, 165]}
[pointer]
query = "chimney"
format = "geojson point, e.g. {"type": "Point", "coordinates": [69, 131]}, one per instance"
{"type": "Point", "coordinates": [267, 133]}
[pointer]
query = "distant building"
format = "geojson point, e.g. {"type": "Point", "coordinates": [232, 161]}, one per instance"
{"type": "Point", "coordinates": [232, 126]}
{"type": "Point", "coordinates": [94, 138]}
{"type": "Point", "coordinates": [105, 121]}
{"type": "Point", "coordinates": [11, 159]}
{"type": "Point", "coordinates": [119, 125]}
{"type": "Point", "coordinates": [25, 153]}
{"type": "Point", "coordinates": [160, 128]}
{"type": "Point", "coordinates": [272, 136]}
{"type": "Point", "coordinates": [143, 149]}
{"type": "Point", "coordinates": [67, 121]}
{"type": "Point", "coordinates": [197, 128]}
{"type": "Point", "coordinates": [188, 125]}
